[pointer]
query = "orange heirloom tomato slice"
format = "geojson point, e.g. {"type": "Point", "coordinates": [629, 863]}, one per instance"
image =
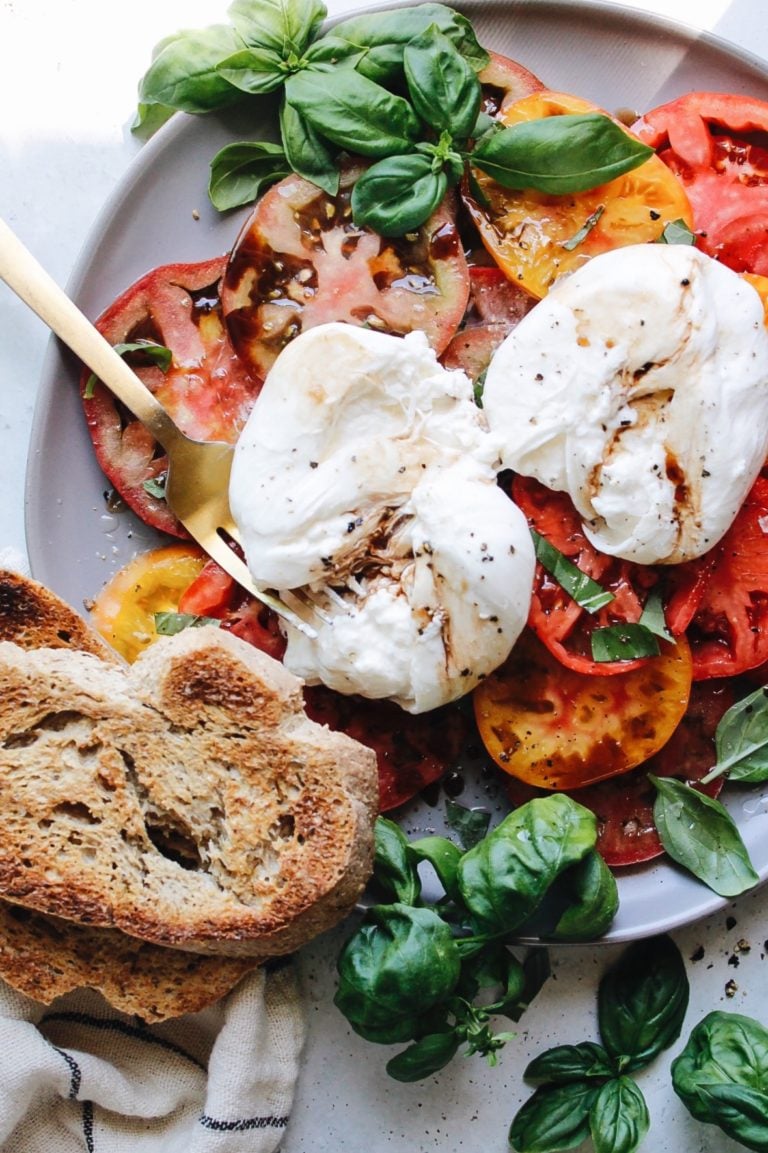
{"type": "Point", "coordinates": [536, 237]}
{"type": "Point", "coordinates": [124, 611]}
{"type": "Point", "coordinates": [559, 729]}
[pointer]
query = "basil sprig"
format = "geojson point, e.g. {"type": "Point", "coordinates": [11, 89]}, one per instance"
{"type": "Point", "coordinates": [435, 973]}
{"type": "Point", "coordinates": [585, 1090]}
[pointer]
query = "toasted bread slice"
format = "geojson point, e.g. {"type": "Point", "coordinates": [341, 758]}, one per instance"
{"type": "Point", "coordinates": [45, 957]}
{"type": "Point", "coordinates": [187, 800]}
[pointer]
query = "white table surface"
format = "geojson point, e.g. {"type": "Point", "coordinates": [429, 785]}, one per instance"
{"type": "Point", "coordinates": [68, 73]}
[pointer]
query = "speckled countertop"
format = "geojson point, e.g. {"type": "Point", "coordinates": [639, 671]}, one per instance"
{"type": "Point", "coordinates": [67, 85]}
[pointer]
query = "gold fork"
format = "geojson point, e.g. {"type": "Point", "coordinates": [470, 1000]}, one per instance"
{"type": "Point", "coordinates": [197, 484]}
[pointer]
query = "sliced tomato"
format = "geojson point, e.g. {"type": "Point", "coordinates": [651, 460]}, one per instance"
{"type": "Point", "coordinates": [559, 729]}
{"type": "Point", "coordinates": [124, 611]}
{"type": "Point", "coordinates": [300, 261]}
{"type": "Point", "coordinates": [495, 307]}
{"type": "Point", "coordinates": [505, 81]}
{"type": "Point", "coordinates": [214, 593]}
{"type": "Point", "coordinates": [207, 390]}
{"type": "Point", "coordinates": [623, 805]}
{"type": "Point", "coordinates": [532, 236]}
{"type": "Point", "coordinates": [729, 631]}
{"type": "Point", "coordinates": [717, 145]}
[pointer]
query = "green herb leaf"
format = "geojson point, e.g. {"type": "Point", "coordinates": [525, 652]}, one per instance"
{"type": "Point", "coordinates": [241, 172]}
{"type": "Point", "coordinates": [152, 351]}
{"type": "Point", "coordinates": [560, 154]}
{"type": "Point", "coordinates": [150, 117]}
{"type": "Point", "coordinates": [741, 740]}
{"type": "Point", "coordinates": [556, 1117]}
{"type": "Point", "coordinates": [565, 1063]}
{"type": "Point", "coordinates": [167, 624]}
{"type": "Point", "coordinates": [184, 73]}
{"type": "Point", "coordinates": [394, 871]}
{"type": "Point", "coordinates": [642, 1001]}
{"type": "Point", "coordinates": [155, 486]}
{"type": "Point", "coordinates": [676, 232]}
{"type": "Point", "coordinates": [699, 833]}
{"type": "Point", "coordinates": [618, 1119]}
{"type": "Point", "coordinates": [470, 825]}
{"type": "Point", "coordinates": [444, 858]}
{"type": "Point", "coordinates": [443, 85]}
{"type": "Point", "coordinates": [253, 70]}
{"type": "Point", "coordinates": [306, 151]}
{"type": "Point", "coordinates": [584, 231]}
{"type": "Point", "coordinates": [396, 195]}
{"type": "Point", "coordinates": [585, 591]}
{"type": "Point", "coordinates": [282, 26]}
{"type": "Point", "coordinates": [652, 617]}
{"type": "Point", "coordinates": [428, 1055]}
{"type": "Point", "coordinates": [593, 900]}
{"type": "Point", "coordinates": [623, 642]}
{"type": "Point", "coordinates": [353, 112]}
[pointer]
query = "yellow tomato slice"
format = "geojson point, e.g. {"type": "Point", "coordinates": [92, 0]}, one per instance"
{"type": "Point", "coordinates": [760, 284]}
{"type": "Point", "coordinates": [124, 611]}
{"type": "Point", "coordinates": [558, 729]}
{"type": "Point", "coordinates": [536, 237]}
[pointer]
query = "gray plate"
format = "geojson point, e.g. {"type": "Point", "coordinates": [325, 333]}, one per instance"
{"type": "Point", "coordinates": [160, 213]}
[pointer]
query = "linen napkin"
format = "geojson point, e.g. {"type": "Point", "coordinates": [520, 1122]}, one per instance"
{"type": "Point", "coordinates": [78, 1076]}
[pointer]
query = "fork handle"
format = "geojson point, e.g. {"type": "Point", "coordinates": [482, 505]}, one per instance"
{"type": "Point", "coordinates": [32, 284]}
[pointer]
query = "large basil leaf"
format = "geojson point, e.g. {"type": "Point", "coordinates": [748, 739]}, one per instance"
{"type": "Point", "coordinates": [593, 900]}
{"type": "Point", "coordinates": [353, 112]}
{"type": "Point", "coordinates": [699, 833]}
{"type": "Point", "coordinates": [505, 877]}
{"type": "Point", "coordinates": [306, 151]}
{"type": "Point", "coordinates": [253, 70]}
{"type": "Point", "coordinates": [618, 1119]}
{"type": "Point", "coordinates": [442, 85]}
{"type": "Point", "coordinates": [384, 35]}
{"type": "Point", "coordinates": [394, 870]}
{"type": "Point", "coordinates": [555, 1117]}
{"type": "Point", "coordinates": [565, 1063]}
{"type": "Point", "coordinates": [184, 75]}
{"type": "Point", "coordinates": [559, 154]}
{"type": "Point", "coordinates": [396, 195]}
{"type": "Point", "coordinates": [642, 1002]}
{"type": "Point", "coordinates": [283, 26]}
{"type": "Point", "coordinates": [241, 172]}
{"type": "Point", "coordinates": [427, 1056]}
{"type": "Point", "coordinates": [722, 1076]}
{"type": "Point", "coordinates": [742, 739]}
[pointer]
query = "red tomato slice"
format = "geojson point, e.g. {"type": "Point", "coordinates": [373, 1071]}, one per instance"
{"type": "Point", "coordinates": [300, 261]}
{"type": "Point", "coordinates": [503, 82]}
{"type": "Point", "coordinates": [729, 632]}
{"type": "Point", "coordinates": [626, 833]}
{"type": "Point", "coordinates": [214, 593]}
{"type": "Point", "coordinates": [207, 390]}
{"type": "Point", "coordinates": [495, 306]}
{"type": "Point", "coordinates": [559, 729]}
{"type": "Point", "coordinates": [717, 145]}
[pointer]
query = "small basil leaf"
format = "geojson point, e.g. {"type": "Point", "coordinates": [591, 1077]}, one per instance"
{"type": "Point", "coordinates": [560, 154]}
{"type": "Point", "coordinates": [394, 872]}
{"type": "Point", "coordinates": [585, 591]}
{"type": "Point", "coordinates": [505, 877]}
{"type": "Point", "coordinates": [253, 70]}
{"type": "Point", "coordinates": [565, 1063]}
{"type": "Point", "coordinates": [184, 73]}
{"type": "Point", "coordinates": [306, 151]}
{"type": "Point", "coordinates": [155, 486]}
{"type": "Point", "coordinates": [642, 1001]}
{"type": "Point", "coordinates": [444, 858]}
{"type": "Point", "coordinates": [241, 172]}
{"type": "Point", "coordinates": [741, 739]}
{"type": "Point", "coordinates": [594, 900]}
{"type": "Point", "coordinates": [652, 617]}
{"type": "Point", "coordinates": [169, 623]}
{"type": "Point", "coordinates": [333, 50]}
{"type": "Point", "coordinates": [582, 234]}
{"type": "Point", "coordinates": [156, 353]}
{"type": "Point", "coordinates": [282, 26]}
{"type": "Point", "coordinates": [676, 232]}
{"type": "Point", "coordinates": [353, 112]}
{"type": "Point", "coordinates": [555, 1117]}
{"type": "Point", "coordinates": [150, 117]}
{"type": "Point", "coordinates": [623, 642]}
{"type": "Point", "coordinates": [470, 825]}
{"type": "Point", "coordinates": [618, 1119]}
{"type": "Point", "coordinates": [699, 833]}
{"type": "Point", "coordinates": [443, 86]}
{"type": "Point", "coordinates": [398, 194]}
{"type": "Point", "coordinates": [428, 1055]}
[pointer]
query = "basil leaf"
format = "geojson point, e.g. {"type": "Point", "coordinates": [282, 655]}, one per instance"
{"type": "Point", "coordinates": [741, 739]}
{"type": "Point", "coordinates": [241, 172]}
{"type": "Point", "coordinates": [652, 617]}
{"type": "Point", "coordinates": [156, 353]}
{"type": "Point", "coordinates": [306, 151]}
{"type": "Point", "coordinates": [618, 1119]}
{"type": "Point", "coordinates": [444, 858]}
{"type": "Point", "coordinates": [167, 624]}
{"type": "Point", "coordinates": [353, 112]}
{"type": "Point", "coordinates": [496, 968]}
{"type": "Point", "coordinates": [470, 825]}
{"type": "Point", "coordinates": [282, 26]}
{"type": "Point", "coordinates": [699, 833]}
{"type": "Point", "coordinates": [428, 1055]}
{"type": "Point", "coordinates": [384, 35]}
{"type": "Point", "coordinates": [623, 642]}
{"type": "Point", "coordinates": [393, 869]}
{"type": "Point", "coordinates": [334, 51]}
{"type": "Point", "coordinates": [594, 900]}
{"type": "Point", "coordinates": [560, 154]}
{"type": "Point", "coordinates": [504, 878]}
{"type": "Point", "coordinates": [396, 195]}
{"type": "Point", "coordinates": [642, 1001]}
{"type": "Point", "coordinates": [721, 1076]}
{"type": "Point", "coordinates": [155, 486]}
{"type": "Point", "coordinates": [555, 1117]}
{"type": "Point", "coordinates": [150, 117]}
{"type": "Point", "coordinates": [253, 70]}
{"type": "Point", "coordinates": [565, 1063]}
{"type": "Point", "coordinates": [585, 591]}
{"type": "Point", "coordinates": [184, 74]}
{"type": "Point", "coordinates": [676, 232]}
{"type": "Point", "coordinates": [584, 231]}
{"type": "Point", "coordinates": [443, 86]}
